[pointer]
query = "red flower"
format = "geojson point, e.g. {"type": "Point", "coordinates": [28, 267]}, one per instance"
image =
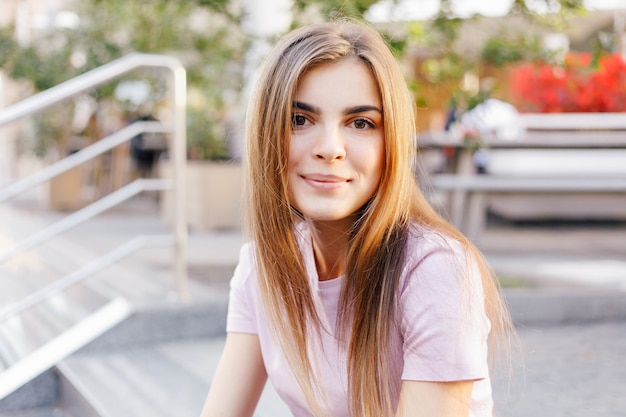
{"type": "Point", "coordinates": [576, 86]}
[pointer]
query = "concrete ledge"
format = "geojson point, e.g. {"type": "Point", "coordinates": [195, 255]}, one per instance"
{"type": "Point", "coordinates": [145, 327]}
{"type": "Point", "coordinates": [162, 324]}
{"type": "Point", "coordinates": [43, 391]}
{"type": "Point", "coordinates": [548, 306]}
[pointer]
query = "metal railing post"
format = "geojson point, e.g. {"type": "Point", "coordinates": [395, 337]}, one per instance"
{"type": "Point", "coordinates": [180, 183]}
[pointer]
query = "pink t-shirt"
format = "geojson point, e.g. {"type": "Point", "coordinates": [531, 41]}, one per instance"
{"type": "Point", "coordinates": [442, 334]}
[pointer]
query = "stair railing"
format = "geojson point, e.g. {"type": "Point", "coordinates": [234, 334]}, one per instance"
{"type": "Point", "coordinates": [177, 129]}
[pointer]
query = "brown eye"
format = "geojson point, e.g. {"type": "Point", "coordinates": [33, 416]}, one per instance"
{"type": "Point", "coordinates": [298, 120]}
{"type": "Point", "coordinates": [362, 124]}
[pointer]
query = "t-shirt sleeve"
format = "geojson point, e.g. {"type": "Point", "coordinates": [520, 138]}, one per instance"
{"type": "Point", "coordinates": [443, 321]}
{"type": "Point", "coordinates": [241, 305]}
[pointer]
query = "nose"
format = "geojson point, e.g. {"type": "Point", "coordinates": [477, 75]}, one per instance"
{"type": "Point", "coordinates": [330, 145]}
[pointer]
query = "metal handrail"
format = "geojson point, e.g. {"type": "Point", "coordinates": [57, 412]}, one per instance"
{"type": "Point", "coordinates": [83, 155]}
{"type": "Point", "coordinates": [69, 342]}
{"type": "Point", "coordinates": [84, 214]}
{"type": "Point", "coordinates": [85, 272]}
{"type": "Point", "coordinates": [93, 79]}
{"type": "Point", "coordinates": [89, 80]}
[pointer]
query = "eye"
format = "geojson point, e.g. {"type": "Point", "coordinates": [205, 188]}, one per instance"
{"type": "Point", "coordinates": [362, 124]}
{"type": "Point", "coordinates": [298, 120]}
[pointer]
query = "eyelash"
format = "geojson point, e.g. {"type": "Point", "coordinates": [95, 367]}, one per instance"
{"type": "Point", "coordinates": [369, 124]}
{"type": "Point", "coordinates": [298, 116]}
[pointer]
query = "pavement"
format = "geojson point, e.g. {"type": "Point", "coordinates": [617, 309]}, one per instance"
{"type": "Point", "coordinates": [574, 370]}
{"type": "Point", "coordinates": [565, 285]}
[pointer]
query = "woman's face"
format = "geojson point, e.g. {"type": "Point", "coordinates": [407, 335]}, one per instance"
{"type": "Point", "coordinates": [336, 147]}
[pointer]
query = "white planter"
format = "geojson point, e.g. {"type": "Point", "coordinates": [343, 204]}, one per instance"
{"type": "Point", "coordinates": [214, 195]}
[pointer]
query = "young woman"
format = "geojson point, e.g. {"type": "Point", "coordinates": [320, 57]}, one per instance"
{"type": "Point", "coordinates": [354, 297]}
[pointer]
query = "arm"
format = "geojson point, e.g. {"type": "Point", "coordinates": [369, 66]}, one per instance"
{"type": "Point", "coordinates": [239, 379]}
{"type": "Point", "coordinates": [435, 399]}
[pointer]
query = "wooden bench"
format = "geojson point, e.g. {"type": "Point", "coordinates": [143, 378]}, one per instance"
{"type": "Point", "coordinates": [551, 162]}
{"type": "Point", "coordinates": [468, 210]}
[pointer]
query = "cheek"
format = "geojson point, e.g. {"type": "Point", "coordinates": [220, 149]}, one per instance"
{"type": "Point", "coordinates": [378, 176]}
{"type": "Point", "coordinates": [378, 161]}
{"type": "Point", "coordinates": [292, 157]}
{"type": "Point", "coordinates": [292, 163]}
{"type": "Point", "coordinates": [291, 151]}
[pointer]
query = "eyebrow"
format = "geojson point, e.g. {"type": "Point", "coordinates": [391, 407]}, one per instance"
{"type": "Point", "coordinates": [349, 110]}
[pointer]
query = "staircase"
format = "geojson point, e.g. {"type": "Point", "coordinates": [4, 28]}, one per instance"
{"type": "Point", "coordinates": [42, 322]}
{"type": "Point", "coordinates": [97, 315]}
{"type": "Point", "coordinates": [59, 294]}
{"type": "Point", "coordinates": [167, 380]}
{"type": "Point", "coordinates": [157, 321]}
{"type": "Point", "coordinates": [161, 358]}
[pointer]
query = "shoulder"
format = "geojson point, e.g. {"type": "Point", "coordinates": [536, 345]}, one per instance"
{"type": "Point", "coordinates": [436, 261]}
{"type": "Point", "coordinates": [246, 265]}
{"type": "Point", "coordinates": [423, 242]}
{"type": "Point", "coordinates": [247, 254]}
{"type": "Point", "coordinates": [244, 294]}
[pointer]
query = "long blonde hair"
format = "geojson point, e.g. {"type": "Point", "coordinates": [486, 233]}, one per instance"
{"type": "Point", "coordinates": [376, 251]}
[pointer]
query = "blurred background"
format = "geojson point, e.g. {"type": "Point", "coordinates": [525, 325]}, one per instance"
{"type": "Point", "coordinates": [120, 187]}
{"type": "Point", "coordinates": [539, 56]}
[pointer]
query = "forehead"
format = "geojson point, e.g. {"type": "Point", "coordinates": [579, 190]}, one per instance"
{"type": "Point", "coordinates": [347, 80]}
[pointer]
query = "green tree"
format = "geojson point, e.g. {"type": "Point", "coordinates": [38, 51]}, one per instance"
{"type": "Point", "coordinates": [449, 62]}
{"type": "Point", "coordinates": [328, 8]}
{"type": "Point", "coordinates": [204, 34]}
{"type": "Point", "coordinates": [440, 35]}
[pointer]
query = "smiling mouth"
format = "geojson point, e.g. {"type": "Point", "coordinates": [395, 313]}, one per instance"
{"type": "Point", "coordinates": [324, 178]}
{"type": "Point", "coordinates": [325, 182]}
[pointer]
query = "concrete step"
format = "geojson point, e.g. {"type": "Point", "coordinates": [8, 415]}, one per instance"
{"type": "Point", "coordinates": [573, 370]}
{"type": "Point", "coordinates": [145, 327]}
{"type": "Point", "coordinates": [28, 271]}
{"type": "Point", "coordinates": [36, 350]}
{"type": "Point", "coordinates": [40, 393]}
{"type": "Point", "coordinates": [167, 380]}
{"type": "Point", "coordinates": [34, 339]}
{"type": "Point", "coordinates": [145, 282]}
{"type": "Point", "coordinates": [40, 412]}
{"type": "Point", "coordinates": [38, 325]}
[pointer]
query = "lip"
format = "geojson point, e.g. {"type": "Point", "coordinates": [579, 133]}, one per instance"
{"type": "Point", "coordinates": [324, 182]}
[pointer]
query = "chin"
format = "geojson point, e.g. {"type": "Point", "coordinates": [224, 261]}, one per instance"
{"type": "Point", "coordinates": [326, 217]}
{"type": "Point", "coordinates": [326, 212]}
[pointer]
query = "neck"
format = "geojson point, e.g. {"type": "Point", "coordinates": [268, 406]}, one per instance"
{"type": "Point", "coordinates": [330, 241]}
